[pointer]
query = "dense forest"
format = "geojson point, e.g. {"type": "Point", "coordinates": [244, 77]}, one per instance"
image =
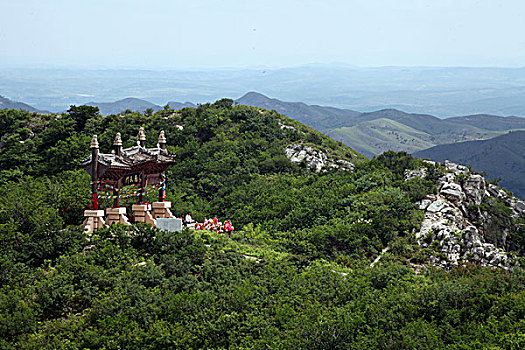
{"type": "Point", "coordinates": [294, 274]}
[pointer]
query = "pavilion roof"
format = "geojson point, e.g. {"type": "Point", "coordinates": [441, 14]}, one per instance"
{"type": "Point", "coordinates": [136, 158]}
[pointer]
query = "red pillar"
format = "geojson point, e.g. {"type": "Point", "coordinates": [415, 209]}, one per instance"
{"type": "Point", "coordinates": [94, 172]}
{"type": "Point", "coordinates": [162, 146]}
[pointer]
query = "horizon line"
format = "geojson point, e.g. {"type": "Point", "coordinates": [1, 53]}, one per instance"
{"type": "Point", "coordinates": [86, 67]}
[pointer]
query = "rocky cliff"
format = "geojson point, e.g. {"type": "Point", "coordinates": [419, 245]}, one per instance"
{"type": "Point", "coordinates": [469, 220]}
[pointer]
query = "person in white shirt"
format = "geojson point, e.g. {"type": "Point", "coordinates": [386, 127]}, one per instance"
{"type": "Point", "coordinates": [188, 219]}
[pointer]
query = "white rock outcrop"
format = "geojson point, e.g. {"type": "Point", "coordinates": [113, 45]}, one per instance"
{"type": "Point", "coordinates": [411, 174]}
{"type": "Point", "coordinates": [315, 159]}
{"type": "Point", "coordinates": [287, 127]}
{"type": "Point", "coordinates": [454, 225]}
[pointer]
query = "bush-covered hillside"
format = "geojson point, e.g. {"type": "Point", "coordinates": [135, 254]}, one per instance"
{"type": "Point", "coordinates": [295, 273]}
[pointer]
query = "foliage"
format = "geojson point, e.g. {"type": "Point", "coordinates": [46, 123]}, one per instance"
{"type": "Point", "coordinates": [295, 276]}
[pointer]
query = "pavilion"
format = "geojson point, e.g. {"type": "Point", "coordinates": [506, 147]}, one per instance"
{"type": "Point", "coordinates": [133, 171]}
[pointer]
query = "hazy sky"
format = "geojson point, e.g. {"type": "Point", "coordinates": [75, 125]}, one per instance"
{"type": "Point", "coordinates": [232, 33]}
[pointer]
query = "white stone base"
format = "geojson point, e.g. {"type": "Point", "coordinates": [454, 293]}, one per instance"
{"type": "Point", "coordinates": [117, 215]}
{"type": "Point", "coordinates": [142, 214]}
{"type": "Point", "coordinates": [161, 210]}
{"type": "Point", "coordinates": [94, 220]}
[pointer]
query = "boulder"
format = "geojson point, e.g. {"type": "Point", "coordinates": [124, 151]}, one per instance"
{"type": "Point", "coordinates": [344, 164]}
{"type": "Point", "coordinates": [436, 206]}
{"type": "Point", "coordinates": [286, 127]}
{"type": "Point", "coordinates": [493, 190]}
{"type": "Point", "coordinates": [456, 168]}
{"type": "Point", "coordinates": [520, 207]}
{"type": "Point", "coordinates": [453, 192]}
{"type": "Point", "coordinates": [455, 224]}
{"type": "Point", "coordinates": [411, 174]}
{"type": "Point", "coordinates": [456, 238]}
{"type": "Point", "coordinates": [474, 188]}
{"type": "Point", "coordinates": [423, 204]}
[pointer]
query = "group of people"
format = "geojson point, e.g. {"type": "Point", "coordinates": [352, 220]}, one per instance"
{"type": "Point", "coordinates": [215, 225]}
{"type": "Point", "coordinates": [208, 224]}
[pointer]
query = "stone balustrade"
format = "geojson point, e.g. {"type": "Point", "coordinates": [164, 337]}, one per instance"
{"type": "Point", "coordinates": [148, 213]}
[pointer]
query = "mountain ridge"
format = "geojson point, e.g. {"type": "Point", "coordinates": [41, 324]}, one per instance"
{"type": "Point", "coordinates": [6, 103]}
{"type": "Point", "coordinates": [369, 133]}
{"type": "Point", "coordinates": [344, 124]}
{"type": "Point", "coordinates": [312, 115]}
{"type": "Point", "coordinates": [181, 105]}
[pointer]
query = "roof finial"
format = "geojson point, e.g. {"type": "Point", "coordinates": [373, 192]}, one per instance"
{"type": "Point", "coordinates": [94, 142]}
{"type": "Point", "coordinates": [117, 145]}
{"type": "Point", "coordinates": [162, 137]}
{"type": "Point", "coordinates": [118, 140]}
{"type": "Point", "coordinates": [142, 137]}
{"type": "Point", "coordinates": [162, 140]}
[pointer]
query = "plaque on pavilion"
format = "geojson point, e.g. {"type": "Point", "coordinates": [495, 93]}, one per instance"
{"type": "Point", "coordinates": [131, 179]}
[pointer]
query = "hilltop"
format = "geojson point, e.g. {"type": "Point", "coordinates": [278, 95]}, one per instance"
{"type": "Point", "coordinates": [370, 133]}
{"type": "Point", "coordinates": [459, 139]}
{"type": "Point", "coordinates": [317, 117]}
{"type": "Point", "coordinates": [135, 105]}
{"type": "Point", "coordinates": [181, 105]}
{"type": "Point", "coordinates": [130, 103]}
{"type": "Point", "coordinates": [327, 244]}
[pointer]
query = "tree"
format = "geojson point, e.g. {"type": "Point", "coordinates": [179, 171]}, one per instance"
{"type": "Point", "coordinates": [82, 114]}
{"type": "Point", "coordinates": [148, 112]}
{"type": "Point", "coordinates": [223, 103]}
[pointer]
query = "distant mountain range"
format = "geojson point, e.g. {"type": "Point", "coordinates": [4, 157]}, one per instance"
{"type": "Point", "coordinates": [440, 91]}
{"type": "Point", "coordinates": [6, 103]}
{"type": "Point", "coordinates": [482, 141]}
{"type": "Point", "coordinates": [106, 108]}
{"type": "Point", "coordinates": [373, 133]}
{"type": "Point", "coordinates": [502, 156]}
{"type": "Point", "coordinates": [136, 105]}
